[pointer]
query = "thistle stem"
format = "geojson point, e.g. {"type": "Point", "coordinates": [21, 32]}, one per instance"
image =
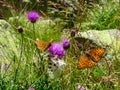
{"type": "Point", "coordinates": [34, 31]}
{"type": "Point", "coordinates": [16, 71]}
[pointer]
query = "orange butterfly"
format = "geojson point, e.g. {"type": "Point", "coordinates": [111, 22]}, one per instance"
{"type": "Point", "coordinates": [43, 45]}
{"type": "Point", "coordinates": [91, 58]}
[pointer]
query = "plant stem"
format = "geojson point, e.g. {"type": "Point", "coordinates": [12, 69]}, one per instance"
{"type": "Point", "coordinates": [16, 71]}
{"type": "Point", "coordinates": [34, 31]}
{"type": "Point", "coordinates": [36, 49]}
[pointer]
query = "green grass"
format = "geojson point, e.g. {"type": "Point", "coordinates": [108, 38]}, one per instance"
{"type": "Point", "coordinates": [103, 17]}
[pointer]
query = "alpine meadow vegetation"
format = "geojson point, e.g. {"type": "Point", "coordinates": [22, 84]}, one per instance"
{"type": "Point", "coordinates": [42, 48]}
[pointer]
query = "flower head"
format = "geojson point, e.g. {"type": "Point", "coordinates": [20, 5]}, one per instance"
{"type": "Point", "coordinates": [20, 29]}
{"type": "Point", "coordinates": [33, 16]}
{"type": "Point", "coordinates": [73, 33]}
{"type": "Point", "coordinates": [31, 89]}
{"type": "Point", "coordinates": [65, 43]}
{"type": "Point", "coordinates": [56, 49]}
{"type": "Point", "coordinates": [81, 87]}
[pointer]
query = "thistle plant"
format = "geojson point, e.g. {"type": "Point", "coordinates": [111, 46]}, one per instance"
{"type": "Point", "coordinates": [33, 16]}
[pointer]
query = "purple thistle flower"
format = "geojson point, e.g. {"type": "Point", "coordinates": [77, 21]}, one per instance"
{"type": "Point", "coordinates": [73, 32]}
{"type": "Point", "coordinates": [56, 49]}
{"type": "Point", "coordinates": [65, 43]}
{"type": "Point", "coordinates": [81, 87]}
{"type": "Point", "coordinates": [31, 89]}
{"type": "Point", "coordinates": [33, 16]}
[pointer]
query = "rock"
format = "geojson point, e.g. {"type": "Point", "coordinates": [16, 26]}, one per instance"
{"type": "Point", "coordinates": [4, 25]}
{"type": "Point", "coordinates": [7, 41]}
{"type": "Point", "coordinates": [106, 37]}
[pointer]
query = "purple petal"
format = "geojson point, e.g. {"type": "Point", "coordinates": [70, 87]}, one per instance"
{"type": "Point", "coordinates": [33, 16]}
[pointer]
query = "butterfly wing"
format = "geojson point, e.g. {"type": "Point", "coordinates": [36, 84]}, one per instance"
{"type": "Point", "coordinates": [84, 43]}
{"type": "Point", "coordinates": [89, 60]}
{"type": "Point", "coordinates": [43, 45]}
{"type": "Point", "coordinates": [97, 53]}
{"type": "Point", "coordinates": [85, 62]}
{"type": "Point", "coordinates": [55, 66]}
